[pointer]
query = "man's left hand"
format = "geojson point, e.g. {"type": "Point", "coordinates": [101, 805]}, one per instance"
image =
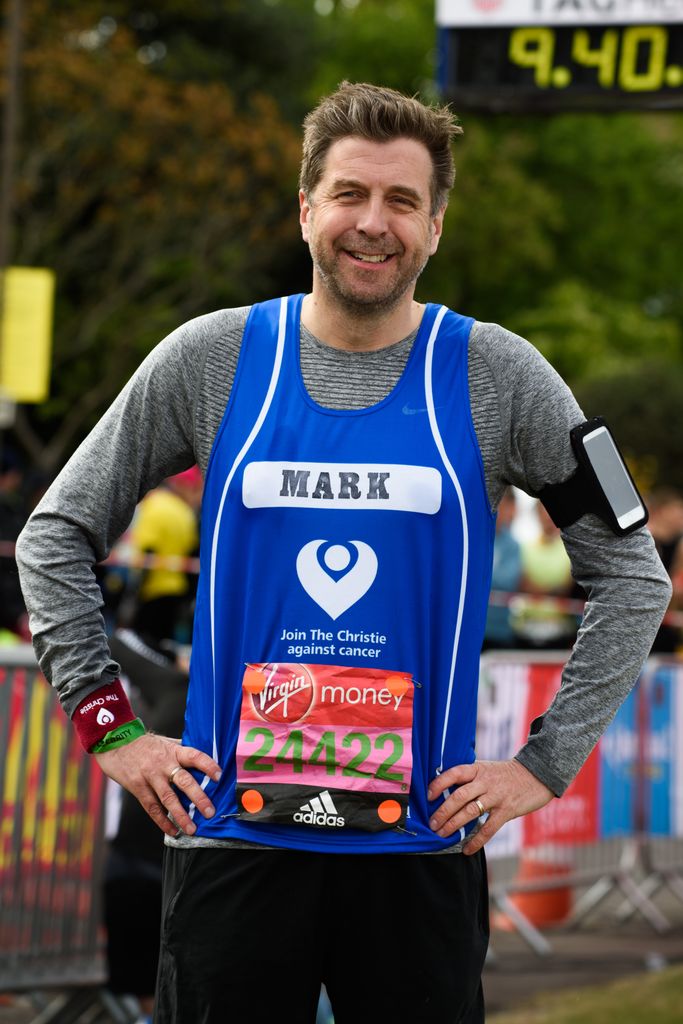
{"type": "Point", "coordinates": [505, 789]}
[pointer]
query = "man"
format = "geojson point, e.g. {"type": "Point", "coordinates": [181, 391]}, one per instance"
{"type": "Point", "coordinates": [506, 574]}
{"type": "Point", "coordinates": [13, 514]}
{"type": "Point", "coordinates": [166, 524]}
{"type": "Point", "coordinates": [546, 575]}
{"type": "Point", "coordinates": [665, 505]}
{"type": "Point", "coordinates": [347, 531]}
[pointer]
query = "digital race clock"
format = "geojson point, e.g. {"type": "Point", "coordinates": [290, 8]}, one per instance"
{"type": "Point", "coordinates": [551, 54]}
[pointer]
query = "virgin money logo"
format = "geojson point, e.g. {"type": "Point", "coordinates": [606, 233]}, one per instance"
{"type": "Point", "coordinates": [488, 5]}
{"type": "Point", "coordinates": [280, 693]}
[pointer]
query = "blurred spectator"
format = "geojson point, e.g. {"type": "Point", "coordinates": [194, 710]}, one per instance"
{"type": "Point", "coordinates": [166, 523]}
{"type": "Point", "coordinates": [546, 572]}
{"type": "Point", "coordinates": [507, 572]}
{"type": "Point", "coordinates": [676, 573]}
{"type": "Point", "coordinates": [665, 506]}
{"type": "Point", "coordinates": [132, 876]}
{"type": "Point", "coordinates": [13, 515]}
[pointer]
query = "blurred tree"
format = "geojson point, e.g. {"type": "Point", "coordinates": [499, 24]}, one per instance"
{"type": "Point", "coordinates": [500, 234]}
{"type": "Point", "coordinates": [643, 403]}
{"type": "Point", "coordinates": [591, 199]}
{"type": "Point", "coordinates": [586, 333]}
{"type": "Point", "coordinates": [392, 42]}
{"type": "Point", "coordinates": [619, 179]}
{"type": "Point", "coordinates": [159, 178]}
{"type": "Point", "coordinates": [153, 199]}
{"type": "Point", "coordinates": [263, 46]}
{"type": "Point", "coordinates": [552, 218]}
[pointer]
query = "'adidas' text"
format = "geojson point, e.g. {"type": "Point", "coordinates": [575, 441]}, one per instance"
{"type": "Point", "coordinates": [320, 811]}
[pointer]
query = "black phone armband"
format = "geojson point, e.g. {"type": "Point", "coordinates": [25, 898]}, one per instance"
{"type": "Point", "coordinates": [601, 484]}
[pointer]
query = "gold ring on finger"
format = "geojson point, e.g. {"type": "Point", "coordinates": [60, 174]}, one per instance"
{"type": "Point", "coordinates": [482, 809]}
{"type": "Point", "coordinates": [171, 778]}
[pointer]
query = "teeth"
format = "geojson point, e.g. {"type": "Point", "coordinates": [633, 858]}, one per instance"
{"type": "Point", "coordinates": [367, 258]}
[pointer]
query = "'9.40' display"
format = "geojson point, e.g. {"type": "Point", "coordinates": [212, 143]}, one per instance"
{"type": "Point", "coordinates": [540, 67]}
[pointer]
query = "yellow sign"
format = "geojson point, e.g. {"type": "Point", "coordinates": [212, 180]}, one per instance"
{"type": "Point", "coordinates": [26, 341]}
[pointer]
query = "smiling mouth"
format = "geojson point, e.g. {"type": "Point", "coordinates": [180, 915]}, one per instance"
{"type": "Point", "coordinates": [367, 257]}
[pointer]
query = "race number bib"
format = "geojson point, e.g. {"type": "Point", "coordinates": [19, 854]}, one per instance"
{"type": "Point", "coordinates": [325, 746]}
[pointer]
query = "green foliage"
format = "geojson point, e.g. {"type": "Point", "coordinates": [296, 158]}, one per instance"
{"type": "Point", "coordinates": [584, 332]}
{"type": "Point", "coordinates": [153, 199]}
{"type": "Point", "coordinates": [250, 45]}
{"type": "Point", "coordinates": [385, 41]}
{"type": "Point", "coordinates": [620, 181]}
{"type": "Point", "coordinates": [643, 403]}
{"type": "Point", "coordinates": [158, 177]}
{"type": "Point", "coordinates": [498, 241]}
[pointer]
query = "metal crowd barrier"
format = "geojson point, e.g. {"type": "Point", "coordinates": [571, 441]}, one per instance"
{"type": "Point", "coordinates": [614, 841]}
{"type": "Point", "coordinates": [618, 831]}
{"type": "Point", "coordinates": [51, 846]}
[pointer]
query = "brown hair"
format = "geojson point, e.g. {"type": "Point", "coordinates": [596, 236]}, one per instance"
{"type": "Point", "coordinates": [381, 115]}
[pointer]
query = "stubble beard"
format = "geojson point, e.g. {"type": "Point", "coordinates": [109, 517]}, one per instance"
{"type": "Point", "coordinates": [355, 302]}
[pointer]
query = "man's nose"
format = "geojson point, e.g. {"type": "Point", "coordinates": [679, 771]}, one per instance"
{"type": "Point", "coordinates": [372, 219]}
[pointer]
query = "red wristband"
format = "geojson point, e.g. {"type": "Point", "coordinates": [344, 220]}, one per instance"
{"type": "Point", "coordinates": [101, 711]}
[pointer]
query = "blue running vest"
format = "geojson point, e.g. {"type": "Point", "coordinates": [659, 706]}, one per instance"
{"type": "Point", "coordinates": [351, 543]}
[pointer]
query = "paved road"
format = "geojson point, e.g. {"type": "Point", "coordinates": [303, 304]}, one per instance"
{"type": "Point", "coordinates": [515, 974]}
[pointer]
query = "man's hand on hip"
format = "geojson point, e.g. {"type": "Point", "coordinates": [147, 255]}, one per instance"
{"type": "Point", "coordinates": [502, 789]}
{"type": "Point", "coordinates": [150, 767]}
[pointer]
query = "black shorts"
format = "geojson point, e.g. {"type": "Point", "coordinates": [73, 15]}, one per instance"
{"type": "Point", "coordinates": [249, 935]}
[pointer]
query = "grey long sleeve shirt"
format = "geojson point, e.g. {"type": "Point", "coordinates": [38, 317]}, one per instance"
{"type": "Point", "coordinates": [166, 418]}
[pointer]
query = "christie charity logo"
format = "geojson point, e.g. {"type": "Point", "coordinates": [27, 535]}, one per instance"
{"type": "Point", "coordinates": [99, 702]}
{"type": "Point", "coordinates": [280, 693]}
{"type": "Point", "coordinates": [335, 581]}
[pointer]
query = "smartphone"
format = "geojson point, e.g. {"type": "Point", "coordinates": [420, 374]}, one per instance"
{"type": "Point", "coordinates": [596, 449]}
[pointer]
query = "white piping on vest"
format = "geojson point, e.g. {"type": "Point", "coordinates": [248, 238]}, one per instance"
{"type": "Point", "coordinates": [465, 533]}
{"type": "Point", "coordinates": [274, 377]}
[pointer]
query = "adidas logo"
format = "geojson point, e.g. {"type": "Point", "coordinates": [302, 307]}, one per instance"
{"type": "Point", "coordinates": [320, 811]}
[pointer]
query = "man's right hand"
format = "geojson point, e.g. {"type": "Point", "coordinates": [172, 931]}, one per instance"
{"type": "Point", "coordinates": [143, 768]}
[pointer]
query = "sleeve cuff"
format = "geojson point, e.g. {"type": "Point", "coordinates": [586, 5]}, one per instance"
{"type": "Point", "coordinates": [102, 711]}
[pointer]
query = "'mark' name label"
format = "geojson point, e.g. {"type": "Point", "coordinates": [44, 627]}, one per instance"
{"type": "Point", "coordinates": [382, 488]}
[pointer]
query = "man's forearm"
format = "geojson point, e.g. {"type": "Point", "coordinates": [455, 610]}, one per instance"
{"type": "Point", "coordinates": [628, 592]}
{"type": "Point", "coordinates": [144, 436]}
{"type": "Point", "coordinates": [64, 603]}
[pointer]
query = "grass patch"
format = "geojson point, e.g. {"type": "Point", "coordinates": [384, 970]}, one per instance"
{"type": "Point", "coordinates": [654, 998]}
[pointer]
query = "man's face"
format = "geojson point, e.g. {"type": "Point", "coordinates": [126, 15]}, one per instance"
{"type": "Point", "coordinates": [368, 224]}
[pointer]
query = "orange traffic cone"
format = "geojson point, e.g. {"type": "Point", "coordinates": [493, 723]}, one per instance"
{"type": "Point", "coordinates": [542, 905]}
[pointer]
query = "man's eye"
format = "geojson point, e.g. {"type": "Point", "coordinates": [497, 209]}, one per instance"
{"type": "Point", "coordinates": [403, 201]}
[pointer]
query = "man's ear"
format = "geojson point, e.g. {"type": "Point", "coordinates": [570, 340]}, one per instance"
{"type": "Point", "coordinates": [304, 214]}
{"type": "Point", "coordinates": [437, 228]}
